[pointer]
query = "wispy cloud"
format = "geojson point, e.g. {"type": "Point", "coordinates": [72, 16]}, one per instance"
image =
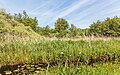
{"type": "Point", "coordinates": [72, 8]}
{"type": "Point", "coordinates": [79, 12]}
{"type": "Point", "coordinates": [69, 10]}
{"type": "Point", "coordinates": [99, 10]}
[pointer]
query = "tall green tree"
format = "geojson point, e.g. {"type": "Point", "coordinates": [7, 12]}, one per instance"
{"type": "Point", "coordinates": [61, 27]}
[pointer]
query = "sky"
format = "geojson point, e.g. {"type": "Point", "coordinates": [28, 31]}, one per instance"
{"type": "Point", "coordinates": [81, 13]}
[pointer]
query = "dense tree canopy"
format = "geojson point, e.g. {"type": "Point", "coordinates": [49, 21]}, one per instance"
{"type": "Point", "coordinates": [61, 27]}
{"type": "Point", "coordinates": [26, 20]}
{"type": "Point", "coordinates": [110, 27]}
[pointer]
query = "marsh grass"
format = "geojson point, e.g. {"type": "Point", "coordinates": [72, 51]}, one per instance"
{"type": "Point", "coordinates": [65, 56]}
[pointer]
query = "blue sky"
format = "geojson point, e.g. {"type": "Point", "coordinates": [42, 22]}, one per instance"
{"type": "Point", "coordinates": [81, 13]}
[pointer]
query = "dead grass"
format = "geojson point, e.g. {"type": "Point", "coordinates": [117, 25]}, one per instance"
{"type": "Point", "coordinates": [92, 38]}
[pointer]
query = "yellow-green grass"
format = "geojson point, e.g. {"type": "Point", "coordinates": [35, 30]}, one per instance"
{"type": "Point", "coordinates": [98, 69]}
{"type": "Point", "coordinates": [30, 51]}
{"type": "Point", "coordinates": [70, 52]}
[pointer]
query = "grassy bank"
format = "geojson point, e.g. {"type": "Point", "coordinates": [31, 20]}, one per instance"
{"type": "Point", "coordinates": [30, 51]}
{"type": "Point", "coordinates": [63, 54]}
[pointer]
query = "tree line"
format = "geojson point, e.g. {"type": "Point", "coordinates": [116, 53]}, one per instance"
{"type": "Point", "coordinates": [110, 27]}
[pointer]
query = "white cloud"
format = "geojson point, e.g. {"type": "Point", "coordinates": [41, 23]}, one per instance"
{"type": "Point", "coordinates": [70, 9]}
{"type": "Point", "coordinates": [97, 11]}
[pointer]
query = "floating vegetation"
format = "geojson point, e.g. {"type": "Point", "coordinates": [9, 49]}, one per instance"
{"type": "Point", "coordinates": [22, 69]}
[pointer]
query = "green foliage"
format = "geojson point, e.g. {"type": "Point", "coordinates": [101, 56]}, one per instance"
{"type": "Point", "coordinates": [11, 27]}
{"type": "Point", "coordinates": [44, 50]}
{"type": "Point", "coordinates": [73, 31]}
{"type": "Point", "coordinates": [26, 20]}
{"type": "Point", "coordinates": [61, 27]}
{"type": "Point", "coordinates": [30, 22]}
{"type": "Point", "coordinates": [75, 54]}
{"type": "Point", "coordinates": [71, 57]}
{"type": "Point", "coordinates": [46, 31]}
{"type": "Point", "coordinates": [109, 27]}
